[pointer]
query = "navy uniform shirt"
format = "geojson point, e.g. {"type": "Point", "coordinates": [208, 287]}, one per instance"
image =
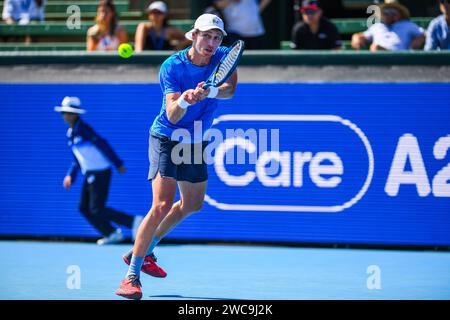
{"type": "Point", "coordinates": [91, 152]}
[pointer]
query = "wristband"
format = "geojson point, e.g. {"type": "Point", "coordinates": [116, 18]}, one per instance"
{"type": "Point", "coordinates": [213, 91]}
{"type": "Point", "coordinates": [183, 104]}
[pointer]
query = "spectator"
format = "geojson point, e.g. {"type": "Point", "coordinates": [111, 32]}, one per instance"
{"type": "Point", "coordinates": [315, 32]}
{"type": "Point", "coordinates": [106, 34]}
{"type": "Point", "coordinates": [438, 34]}
{"type": "Point", "coordinates": [215, 10]}
{"type": "Point", "coordinates": [395, 32]}
{"type": "Point", "coordinates": [94, 156]}
{"type": "Point", "coordinates": [23, 11]}
{"type": "Point", "coordinates": [155, 34]}
{"type": "Point", "coordinates": [243, 21]}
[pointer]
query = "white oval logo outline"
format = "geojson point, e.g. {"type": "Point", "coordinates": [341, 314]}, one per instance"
{"type": "Point", "coordinates": [288, 208]}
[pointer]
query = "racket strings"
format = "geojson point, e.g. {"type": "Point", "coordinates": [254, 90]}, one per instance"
{"type": "Point", "coordinates": [228, 63]}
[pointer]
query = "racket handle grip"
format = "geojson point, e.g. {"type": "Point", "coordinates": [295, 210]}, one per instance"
{"type": "Point", "coordinates": [206, 86]}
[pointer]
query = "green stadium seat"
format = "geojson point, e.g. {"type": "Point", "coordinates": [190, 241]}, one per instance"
{"type": "Point", "coordinates": [286, 45]}
{"type": "Point", "coordinates": [350, 26]}
{"type": "Point", "coordinates": [43, 29]}
{"type": "Point", "coordinates": [85, 6]}
{"type": "Point", "coordinates": [183, 24]}
{"type": "Point", "coordinates": [345, 26]}
{"type": "Point", "coordinates": [52, 30]}
{"type": "Point", "coordinates": [89, 16]}
{"type": "Point", "coordinates": [61, 29]}
{"type": "Point", "coordinates": [38, 46]}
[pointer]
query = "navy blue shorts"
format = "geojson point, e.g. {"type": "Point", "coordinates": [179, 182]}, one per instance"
{"type": "Point", "coordinates": [160, 158]}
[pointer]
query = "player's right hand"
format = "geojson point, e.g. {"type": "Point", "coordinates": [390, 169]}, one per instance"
{"type": "Point", "coordinates": [67, 182]}
{"type": "Point", "coordinates": [191, 96]}
{"type": "Point", "coordinates": [201, 93]}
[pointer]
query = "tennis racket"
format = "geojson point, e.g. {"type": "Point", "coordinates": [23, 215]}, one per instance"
{"type": "Point", "coordinates": [226, 66]}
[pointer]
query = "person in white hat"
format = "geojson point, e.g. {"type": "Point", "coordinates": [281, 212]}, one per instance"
{"type": "Point", "coordinates": [94, 157]}
{"type": "Point", "coordinates": [156, 34]}
{"type": "Point", "coordinates": [395, 32]}
{"type": "Point", "coordinates": [189, 109]}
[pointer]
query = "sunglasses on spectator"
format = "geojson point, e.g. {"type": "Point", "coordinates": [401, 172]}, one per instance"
{"type": "Point", "coordinates": [157, 12]}
{"type": "Point", "coordinates": [310, 12]}
{"type": "Point", "coordinates": [390, 12]}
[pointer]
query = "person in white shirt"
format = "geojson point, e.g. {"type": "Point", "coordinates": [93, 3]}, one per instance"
{"type": "Point", "coordinates": [396, 32]}
{"type": "Point", "coordinates": [107, 34]}
{"type": "Point", "coordinates": [243, 21]}
{"type": "Point", "coordinates": [23, 11]}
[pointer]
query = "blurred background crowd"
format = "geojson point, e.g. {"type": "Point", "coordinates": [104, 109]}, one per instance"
{"type": "Point", "coordinates": [266, 24]}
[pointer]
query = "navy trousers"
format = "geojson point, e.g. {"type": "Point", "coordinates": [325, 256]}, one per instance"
{"type": "Point", "coordinates": [93, 203]}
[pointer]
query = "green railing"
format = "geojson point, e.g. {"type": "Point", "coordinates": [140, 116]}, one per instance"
{"type": "Point", "coordinates": [250, 58]}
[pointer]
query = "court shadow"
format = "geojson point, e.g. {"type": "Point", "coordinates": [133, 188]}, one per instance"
{"type": "Point", "coordinates": [177, 296]}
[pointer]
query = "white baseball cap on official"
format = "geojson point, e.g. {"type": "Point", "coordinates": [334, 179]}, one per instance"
{"type": "Point", "coordinates": [70, 105]}
{"type": "Point", "coordinates": [206, 22]}
{"type": "Point", "coordinates": [157, 5]}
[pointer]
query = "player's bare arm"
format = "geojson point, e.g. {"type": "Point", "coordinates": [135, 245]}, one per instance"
{"type": "Point", "coordinates": [226, 91]}
{"type": "Point", "coordinates": [174, 107]}
{"type": "Point", "coordinates": [418, 42]}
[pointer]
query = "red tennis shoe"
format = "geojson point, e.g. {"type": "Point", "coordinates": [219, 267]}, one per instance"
{"type": "Point", "coordinates": [149, 266]}
{"type": "Point", "coordinates": [130, 288]}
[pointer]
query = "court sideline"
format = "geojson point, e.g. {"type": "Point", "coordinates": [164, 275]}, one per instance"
{"type": "Point", "coordinates": [69, 270]}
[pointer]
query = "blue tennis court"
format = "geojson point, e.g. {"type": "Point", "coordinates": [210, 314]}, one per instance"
{"type": "Point", "coordinates": [355, 169]}
{"type": "Point", "coordinates": [46, 270]}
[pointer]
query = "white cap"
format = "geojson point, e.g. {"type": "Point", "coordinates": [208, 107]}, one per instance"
{"type": "Point", "coordinates": [206, 22]}
{"type": "Point", "coordinates": [71, 105]}
{"type": "Point", "coordinates": [157, 5]}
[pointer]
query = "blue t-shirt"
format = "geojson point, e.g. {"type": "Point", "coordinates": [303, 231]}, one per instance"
{"type": "Point", "coordinates": [438, 35]}
{"type": "Point", "coordinates": [178, 74]}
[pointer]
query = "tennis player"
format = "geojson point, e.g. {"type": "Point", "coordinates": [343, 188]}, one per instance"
{"type": "Point", "coordinates": [188, 108]}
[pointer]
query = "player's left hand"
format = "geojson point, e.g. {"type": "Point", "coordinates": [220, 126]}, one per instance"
{"type": "Point", "coordinates": [201, 93]}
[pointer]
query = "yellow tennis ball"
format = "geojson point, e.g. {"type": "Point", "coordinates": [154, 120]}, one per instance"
{"type": "Point", "coordinates": [125, 50]}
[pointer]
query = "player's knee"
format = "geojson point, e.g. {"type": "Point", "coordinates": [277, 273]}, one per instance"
{"type": "Point", "coordinates": [188, 208]}
{"type": "Point", "coordinates": [197, 206]}
{"type": "Point", "coordinates": [96, 211]}
{"type": "Point", "coordinates": [162, 208]}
